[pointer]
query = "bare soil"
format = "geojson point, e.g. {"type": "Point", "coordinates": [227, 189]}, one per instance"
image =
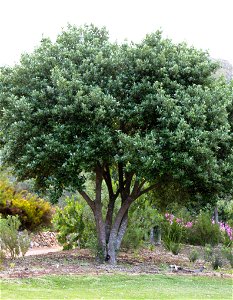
{"type": "Point", "coordinates": [54, 261]}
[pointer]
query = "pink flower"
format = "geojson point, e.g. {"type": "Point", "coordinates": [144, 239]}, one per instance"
{"type": "Point", "coordinates": [189, 224]}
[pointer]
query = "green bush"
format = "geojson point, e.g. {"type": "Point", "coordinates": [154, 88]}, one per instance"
{"type": "Point", "coordinates": [193, 256]}
{"type": "Point", "coordinates": [133, 238]}
{"type": "Point", "coordinates": [228, 253]}
{"type": "Point", "coordinates": [208, 252]}
{"type": "Point", "coordinates": [75, 227]}
{"type": "Point", "coordinates": [216, 261]}
{"type": "Point", "coordinates": [34, 213]}
{"type": "Point", "coordinates": [175, 247]}
{"type": "Point", "coordinates": [172, 234]}
{"type": "Point", "coordinates": [24, 242]}
{"type": "Point", "coordinates": [225, 210]}
{"type": "Point", "coordinates": [226, 240]}
{"type": "Point", "coordinates": [142, 217]}
{"type": "Point", "coordinates": [11, 240]}
{"type": "Point", "coordinates": [203, 231]}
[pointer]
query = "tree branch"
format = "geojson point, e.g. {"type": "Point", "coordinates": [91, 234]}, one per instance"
{"type": "Point", "coordinates": [87, 199]}
{"type": "Point", "coordinates": [129, 177]}
{"type": "Point", "coordinates": [98, 184]}
{"type": "Point", "coordinates": [135, 189]}
{"type": "Point", "coordinates": [141, 185]}
{"type": "Point", "coordinates": [108, 181]}
{"type": "Point", "coordinates": [121, 177]}
{"type": "Point", "coordinates": [109, 216]}
{"type": "Point", "coordinates": [146, 190]}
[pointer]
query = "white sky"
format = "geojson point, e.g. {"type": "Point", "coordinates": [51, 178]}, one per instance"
{"type": "Point", "coordinates": [206, 24]}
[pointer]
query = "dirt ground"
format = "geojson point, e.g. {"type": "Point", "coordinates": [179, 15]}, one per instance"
{"type": "Point", "coordinates": [54, 261]}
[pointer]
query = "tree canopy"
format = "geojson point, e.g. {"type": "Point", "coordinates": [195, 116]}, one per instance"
{"type": "Point", "coordinates": [133, 114]}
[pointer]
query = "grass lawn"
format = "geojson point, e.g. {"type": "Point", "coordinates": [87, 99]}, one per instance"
{"type": "Point", "coordinates": [117, 287]}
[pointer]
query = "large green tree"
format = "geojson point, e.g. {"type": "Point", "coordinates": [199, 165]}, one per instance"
{"type": "Point", "coordinates": [130, 114]}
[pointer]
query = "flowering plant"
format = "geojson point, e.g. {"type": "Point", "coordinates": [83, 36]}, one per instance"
{"type": "Point", "coordinates": [225, 228]}
{"type": "Point", "coordinates": [227, 231]}
{"type": "Point", "coordinates": [171, 218]}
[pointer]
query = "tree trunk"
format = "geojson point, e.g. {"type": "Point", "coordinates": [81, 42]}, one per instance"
{"type": "Point", "coordinates": [100, 225]}
{"type": "Point", "coordinates": [109, 233]}
{"type": "Point", "coordinates": [118, 227]}
{"type": "Point", "coordinates": [111, 256]}
{"type": "Point", "coordinates": [216, 215]}
{"type": "Point", "coordinates": [122, 230]}
{"type": "Point", "coordinates": [152, 236]}
{"type": "Point", "coordinates": [101, 247]}
{"type": "Point", "coordinates": [157, 236]}
{"type": "Point", "coordinates": [109, 216]}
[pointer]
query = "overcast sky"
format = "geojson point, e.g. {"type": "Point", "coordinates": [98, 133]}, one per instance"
{"type": "Point", "coordinates": [206, 24]}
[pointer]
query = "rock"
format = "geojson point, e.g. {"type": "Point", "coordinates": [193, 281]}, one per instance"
{"type": "Point", "coordinates": [44, 239]}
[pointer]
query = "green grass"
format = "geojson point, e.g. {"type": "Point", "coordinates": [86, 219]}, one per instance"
{"type": "Point", "coordinates": [117, 287]}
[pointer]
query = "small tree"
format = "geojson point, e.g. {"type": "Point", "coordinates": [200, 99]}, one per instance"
{"type": "Point", "coordinates": [9, 235]}
{"type": "Point", "coordinates": [130, 114]}
{"type": "Point", "coordinates": [11, 240]}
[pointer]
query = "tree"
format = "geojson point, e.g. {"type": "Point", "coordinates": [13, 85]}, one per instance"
{"type": "Point", "coordinates": [130, 114]}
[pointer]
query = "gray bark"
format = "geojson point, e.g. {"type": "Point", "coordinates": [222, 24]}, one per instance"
{"type": "Point", "coordinates": [122, 231]}
{"type": "Point", "coordinates": [216, 215]}
{"type": "Point", "coordinates": [157, 231]}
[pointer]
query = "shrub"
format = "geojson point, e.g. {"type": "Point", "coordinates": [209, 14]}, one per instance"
{"type": "Point", "coordinates": [9, 235]}
{"type": "Point", "coordinates": [216, 261]}
{"type": "Point", "coordinates": [203, 231]}
{"type": "Point", "coordinates": [228, 253]}
{"type": "Point", "coordinates": [24, 242]}
{"type": "Point", "coordinates": [2, 255]}
{"type": "Point", "coordinates": [208, 252]}
{"type": "Point", "coordinates": [193, 256]}
{"type": "Point", "coordinates": [133, 237]}
{"type": "Point", "coordinates": [225, 210]}
{"type": "Point", "coordinates": [227, 234]}
{"type": "Point", "coordinates": [33, 212]}
{"type": "Point", "coordinates": [175, 247]}
{"type": "Point", "coordinates": [142, 218]}
{"type": "Point", "coordinates": [11, 240]}
{"type": "Point", "coordinates": [172, 233]}
{"type": "Point", "coordinates": [73, 224]}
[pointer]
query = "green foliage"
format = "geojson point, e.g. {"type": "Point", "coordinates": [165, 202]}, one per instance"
{"type": "Point", "coordinates": [24, 242]}
{"type": "Point", "coordinates": [151, 109]}
{"type": "Point", "coordinates": [11, 240]}
{"type": "Point", "coordinates": [34, 213]}
{"type": "Point", "coordinates": [203, 231]}
{"type": "Point", "coordinates": [214, 256]}
{"type": "Point", "coordinates": [216, 261]}
{"type": "Point", "coordinates": [228, 253]}
{"type": "Point", "coordinates": [2, 256]}
{"type": "Point", "coordinates": [142, 217]}
{"type": "Point", "coordinates": [173, 247]}
{"type": "Point", "coordinates": [208, 252]}
{"type": "Point", "coordinates": [172, 234]}
{"type": "Point", "coordinates": [152, 106]}
{"type": "Point", "coordinates": [73, 224]}
{"type": "Point", "coordinates": [193, 256]}
{"type": "Point", "coordinates": [133, 238]}
{"type": "Point", "coordinates": [9, 235]}
{"type": "Point", "coordinates": [225, 210]}
{"type": "Point", "coordinates": [226, 240]}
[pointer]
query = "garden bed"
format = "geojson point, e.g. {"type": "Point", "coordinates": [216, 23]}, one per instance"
{"type": "Point", "coordinates": [50, 261]}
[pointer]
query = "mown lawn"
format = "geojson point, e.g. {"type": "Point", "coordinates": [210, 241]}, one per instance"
{"type": "Point", "coordinates": [117, 287]}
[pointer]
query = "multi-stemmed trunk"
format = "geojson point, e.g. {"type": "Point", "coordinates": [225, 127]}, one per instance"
{"type": "Point", "coordinates": [110, 231]}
